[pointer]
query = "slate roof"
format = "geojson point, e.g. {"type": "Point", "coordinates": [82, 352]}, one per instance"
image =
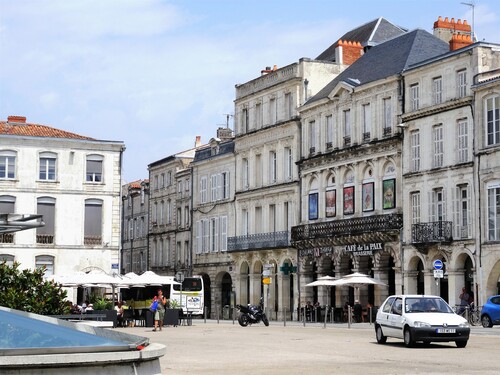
{"type": "Point", "coordinates": [36, 130]}
{"type": "Point", "coordinates": [369, 34]}
{"type": "Point", "coordinates": [387, 59]}
{"type": "Point", "coordinates": [206, 152]}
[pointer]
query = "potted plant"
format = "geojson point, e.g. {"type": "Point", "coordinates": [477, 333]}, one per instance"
{"type": "Point", "coordinates": [103, 306]}
{"type": "Point", "coordinates": [172, 313]}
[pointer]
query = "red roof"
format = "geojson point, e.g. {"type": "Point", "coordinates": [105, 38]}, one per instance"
{"type": "Point", "coordinates": [35, 130]}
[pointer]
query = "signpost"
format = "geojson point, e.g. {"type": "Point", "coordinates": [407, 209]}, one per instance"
{"type": "Point", "coordinates": [438, 270]}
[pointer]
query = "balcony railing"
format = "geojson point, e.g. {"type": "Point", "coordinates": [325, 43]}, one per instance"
{"type": "Point", "coordinates": [354, 226]}
{"type": "Point", "coordinates": [258, 241]}
{"type": "Point", "coordinates": [45, 239]}
{"type": "Point", "coordinates": [7, 238]}
{"type": "Point", "coordinates": [92, 240]}
{"type": "Point", "coordinates": [437, 231]}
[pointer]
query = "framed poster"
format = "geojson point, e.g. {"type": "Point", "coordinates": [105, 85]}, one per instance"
{"type": "Point", "coordinates": [331, 203]}
{"type": "Point", "coordinates": [349, 200]}
{"type": "Point", "coordinates": [367, 192]}
{"type": "Point", "coordinates": [313, 206]}
{"type": "Point", "coordinates": [389, 193]}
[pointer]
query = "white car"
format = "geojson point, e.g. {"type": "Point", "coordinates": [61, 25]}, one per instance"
{"type": "Point", "coordinates": [421, 318]}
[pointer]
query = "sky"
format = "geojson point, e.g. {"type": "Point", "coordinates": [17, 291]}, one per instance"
{"type": "Point", "coordinates": [155, 74]}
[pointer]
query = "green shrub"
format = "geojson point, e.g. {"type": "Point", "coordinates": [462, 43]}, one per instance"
{"type": "Point", "coordinates": [26, 290]}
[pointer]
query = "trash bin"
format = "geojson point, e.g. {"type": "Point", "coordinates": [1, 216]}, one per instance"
{"type": "Point", "coordinates": [225, 312]}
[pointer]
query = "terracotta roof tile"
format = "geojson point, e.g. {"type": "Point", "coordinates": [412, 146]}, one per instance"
{"type": "Point", "coordinates": [36, 130]}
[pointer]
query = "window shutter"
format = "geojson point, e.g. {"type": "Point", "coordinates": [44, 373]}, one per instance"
{"type": "Point", "coordinates": [456, 212]}
{"type": "Point", "coordinates": [469, 208]}
{"type": "Point", "coordinates": [223, 233]}
{"type": "Point", "coordinates": [199, 237]}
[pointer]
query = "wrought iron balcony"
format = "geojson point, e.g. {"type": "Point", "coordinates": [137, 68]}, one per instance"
{"type": "Point", "coordinates": [437, 231]}
{"type": "Point", "coordinates": [258, 241]}
{"type": "Point", "coordinates": [348, 227]}
{"type": "Point", "coordinates": [45, 239]}
{"type": "Point", "coordinates": [7, 238]}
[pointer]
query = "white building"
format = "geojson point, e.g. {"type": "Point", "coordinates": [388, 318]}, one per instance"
{"type": "Point", "coordinates": [74, 182]}
{"type": "Point", "coordinates": [214, 218]}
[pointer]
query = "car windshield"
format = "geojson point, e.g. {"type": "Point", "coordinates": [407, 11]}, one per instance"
{"type": "Point", "coordinates": [428, 305]}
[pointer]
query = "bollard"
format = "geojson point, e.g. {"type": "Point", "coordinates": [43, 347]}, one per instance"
{"type": "Point", "coordinates": [284, 317]}
{"type": "Point", "coordinates": [234, 313]}
{"type": "Point", "coordinates": [326, 316]}
{"type": "Point", "coordinates": [349, 313]}
{"type": "Point", "coordinates": [205, 313]}
{"type": "Point", "coordinates": [217, 313]}
{"type": "Point", "coordinates": [304, 316]}
{"type": "Point", "coordinates": [370, 312]}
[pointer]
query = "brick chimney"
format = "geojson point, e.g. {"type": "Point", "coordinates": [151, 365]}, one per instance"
{"type": "Point", "coordinates": [347, 52]}
{"type": "Point", "coordinates": [445, 29]}
{"type": "Point", "coordinates": [197, 142]}
{"type": "Point", "coordinates": [459, 41]}
{"type": "Point", "coordinates": [16, 119]}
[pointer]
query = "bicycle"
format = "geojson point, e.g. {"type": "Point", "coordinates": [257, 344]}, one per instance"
{"type": "Point", "coordinates": [470, 313]}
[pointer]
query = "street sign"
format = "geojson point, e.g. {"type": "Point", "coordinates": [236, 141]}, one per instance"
{"type": "Point", "coordinates": [438, 274]}
{"type": "Point", "coordinates": [438, 264]}
{"type": "Point", "coordinates": [266, 273]}
{"type": "Point", "coordinates": [179, 276]}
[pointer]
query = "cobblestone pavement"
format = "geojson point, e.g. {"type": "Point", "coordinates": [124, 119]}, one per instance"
{"type": "Point", "coordinates": [213, 347]}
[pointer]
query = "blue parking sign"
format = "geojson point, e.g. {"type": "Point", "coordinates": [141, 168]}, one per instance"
{"type": "Point", "coordinates": [438, 264]}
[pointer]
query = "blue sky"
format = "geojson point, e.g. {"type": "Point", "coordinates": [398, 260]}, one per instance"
{"type": "Point", "coordinates": [157, 73]}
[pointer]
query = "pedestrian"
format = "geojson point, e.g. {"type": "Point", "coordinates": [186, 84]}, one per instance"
{"type": "Point", "coordinates": [160, 310]}
{"type": "Point", "coordinates": [464, 300]}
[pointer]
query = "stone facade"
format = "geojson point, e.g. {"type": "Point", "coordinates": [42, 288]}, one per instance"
{"type": "Point", "coordinates": [75, 183]}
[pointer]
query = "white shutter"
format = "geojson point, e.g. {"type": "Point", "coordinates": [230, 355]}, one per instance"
{"type": "Point", "coordinates": [216, 235]}
{"type": "Point", "coordinates": [220, 193]}
{"type": "Point", "coordinates": [223, 233]}
{"type": "Point", "coordinates": [199, 237]}
{"type": "Point", "coordinates": [431, 205]}
{"type": "Point", "coordinates": [456, 212]}
{"type": "Point", "coordinates": [206, 236]}
{"type": "Point", "coordinates": [444, 204]}
{"type": "Point", "coordinates": [469, 212]}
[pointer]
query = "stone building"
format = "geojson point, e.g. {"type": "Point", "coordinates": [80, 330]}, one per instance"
{"type": "Point", "coordinates": [170, 213]}
{"type": "Point", "coordinates": [74, 182]}
{"type": "Point", "coordinates": [351, 172]}
{"type": "Point", "coordinates": [214, 219]}
{"type": "Point", "coordinates": [135, 219]}
{"type": "Point", "coordinates": [449, 169]}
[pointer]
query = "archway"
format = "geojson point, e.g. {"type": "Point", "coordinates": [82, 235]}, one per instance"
{"type": "Point", "coordinates": [208, 294]}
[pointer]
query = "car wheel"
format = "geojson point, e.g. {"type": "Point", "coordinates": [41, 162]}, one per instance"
{"type": "Point", "coordinates": [486, 321]}
{"type": "Point", "coordinates": [381, 339]}
{"type": "Point", "coordinates": [407, 338]}
{"type": "Point", "coordinates": [461, 344]}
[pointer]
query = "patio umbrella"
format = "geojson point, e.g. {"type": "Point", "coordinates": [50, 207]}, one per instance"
{"type": "Point", "coordinates": [357, 279]}
{"type": "Point", "coordinates": [327, 281]}
{"type": "Point", "coordinates": [151, 278]}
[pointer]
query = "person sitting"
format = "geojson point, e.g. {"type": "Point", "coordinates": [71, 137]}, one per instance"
{"type": "Point", "coordinates": [309, 310]}
{"type": "Point", "coordinates": [119, 314]}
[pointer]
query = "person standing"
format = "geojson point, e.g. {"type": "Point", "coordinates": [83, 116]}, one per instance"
{"type": "Point", "coordinates": [160, 310]}
{"type": "Point", "coordinates": [464, 300]}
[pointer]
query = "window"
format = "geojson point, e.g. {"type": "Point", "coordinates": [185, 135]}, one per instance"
{"type": "Point", "coordinates": [273, 167]}
{"type": "Point", "coordinates": [47, 262]}
{"type": "Point", "coordinates": [203, 189]}
{"type": "Point", "coordinates": [258, 220]}
{"type": "Point", "coordinates": [288, 163]}
{"type": "Point", "coordinates": [94, 168]}
{"type": "Point", "coordinates": [223, 233]}
{"type": "Point", "coordinates": [214, 235]}
{"type": "Point", "coordinates": [244, 173]}
{"type": "Point", "coordinates": [141, 231]}
{"type": "Point", "coordinates": [224, 186]}
{"type": "Point", "coordinates": [288, 105]}
{"type": "Point", "coordinates": [130, 229]}
{"type": "Point", "coordinates": [244, 222]}
{"type": "Point", "coordinates": [258, 170]}
{"type": "Point", "coordinates": [213, 187]}
{"type": "Point", "coordinates": [162, 211]}
{"type": "Point", "coordinates": [272, 111]}
{"type": "Point", "coordinates": [169, 211]}
{"type": "Point", "coordinates": [244, 120]}
{"type": "Point", "coordinates": [47, 166]}
{"type": "Point", "coordinates": [414, 97]}
{"type": "Point", "coordinates": [8, 259]}
{"type": "Point", "coordinates": [93, 222]}
{"type": "Point", "coordinates": [258, 115]}
{"type": "Point", "coordinates": [463, 141]}
{"type": "Point", "coordinates": [179, 216]}
{"type": "Point", "coordinates": [313, 206]}
{"type": "Point", "coordinates": [312, 137]}
{"type": "Point", "coordinates": [7, 164]}
{"type": "Point", "coordinates": [415, 207]}
{"type": "Point", "coordinates": [347, 128]}
{"type": "Point", "coordinates": [169, 178]}
{"type": "Point", "coordinates": [462, 83]}
{"type": "Point", "coordinates": [387, 121]}
{"type": "Point", "coordinates": [437, 90]}
{"type": "Point", "coordinates": [154, 214]}
{"type": "Point", "coordinates": [367, 122]}
{"type": "Point", "coordinates": [272, 218]}
{"type": "Point", "coordinates": [155, 182]}
{"type": "Point", "coordinates": [494, 212]}
{"type": "Point", "coordinates": [7, 203]}
{"type": "Point", "coordinates": [492, 122]}
{"type": "Point", "coordinates": [179, 188]}
{"type": "Point", "coordinates": [437, 135]}
{"type": "Point", "coordinates": [186, 216]}
{"type": "Point", "coordinates": [162, 180]}
{"type": "Point", "coordinates": [415, 150]}
{"type": "Point", "coordinates": [437, 205]}
{"type": "Point", "coordinates": [46, 206]}
{"type": "Point", "coordinates": [329, 131]}
{"type": "Point", "coordinates": [462, 212]}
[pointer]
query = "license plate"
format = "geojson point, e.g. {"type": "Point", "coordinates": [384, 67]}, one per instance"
{"type": "Point", "coordinates": [446, 330]}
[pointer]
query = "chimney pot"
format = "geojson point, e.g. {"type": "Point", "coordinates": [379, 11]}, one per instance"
{"type": "Point", "coordinates": [198, 141]}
